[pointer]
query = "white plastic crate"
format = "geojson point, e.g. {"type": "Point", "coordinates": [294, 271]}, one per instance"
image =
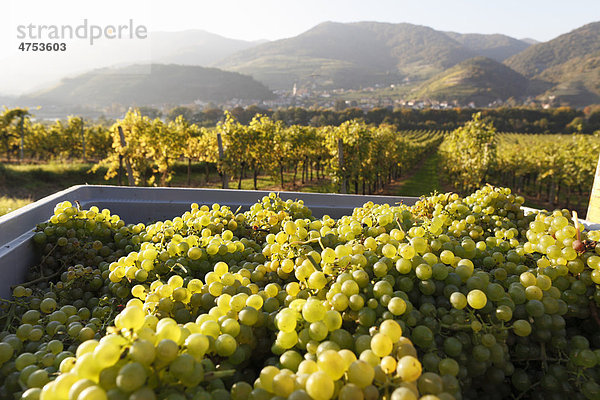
{"type": "Point", "coordinates": [136, 204]}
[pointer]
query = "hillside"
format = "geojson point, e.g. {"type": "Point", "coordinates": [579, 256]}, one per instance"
{"type": "Point", "coordinates": [569, 63]}
{"type": "Point", "coordinates": [497, 47]}
{"type": "Point", "coordinates": [152, 85]}
{"type": "Point", "coordinates": [193, 47]}
{"type": "Point", "coordinates": [350, 55]}
{"type": "Point", "coordinates": [480, 80]}
{"type": "Point", "coordinates": [354, 55]}
{"type": "Point", "coordinates": [539, 57]}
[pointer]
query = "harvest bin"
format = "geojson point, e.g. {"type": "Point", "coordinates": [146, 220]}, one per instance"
{"type": "Point", "coordinates": [134, 204]}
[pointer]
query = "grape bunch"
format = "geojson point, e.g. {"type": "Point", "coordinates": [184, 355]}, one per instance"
{"type": "Point", "coordinates": [452, 298]}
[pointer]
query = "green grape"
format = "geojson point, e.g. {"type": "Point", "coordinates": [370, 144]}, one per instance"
{"type": "Point", "coordinates": [37, 379]}
{"type": "Point", "coordinates": [166, 350]}
{"type": "Point", "coordinates": [522, 328]}
{"type": "Point", "coordinates": [225, 345]}
{"type": "Point", "coordinates": [361, 373]}
{"type": "Point", "coordinates": [131, 377]}
{"type": "Point", "coordinates": [397, 306]}
{"type": "Point", "coordinates": [350, 392]}
{"type": "Point", "coordinates": [143, 351]}
{"type": "Point", "coordinates": [6, 352]}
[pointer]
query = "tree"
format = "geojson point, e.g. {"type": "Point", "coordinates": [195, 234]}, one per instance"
{"type": "Point", "coordinates": [8, 131]}
{"type": "Point", "coordinates": [180, 111]}
{"type": "Point", "coordinates": [150, 112]}
{"type": "Point", "coordinates": [469, 153]}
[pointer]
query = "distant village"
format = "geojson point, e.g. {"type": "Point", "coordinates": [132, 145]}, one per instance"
{"type": "Point", "coordinates": [366, 99]}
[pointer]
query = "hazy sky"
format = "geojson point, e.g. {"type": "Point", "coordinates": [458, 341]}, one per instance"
{"type": "Point", "coordinates": [25, 71]}
{"type": "Point", "coordinates": [274, 19]}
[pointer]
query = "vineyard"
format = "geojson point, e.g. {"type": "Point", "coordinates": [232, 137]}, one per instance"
{"type": "Point", "coordinates": [372, 156]}
{"type": "Point", "coordinates": [556, 169]}
{"type": "Point", "coordinates": [462, 296]}
{"type": "Point", "coordinates": [354, 157]}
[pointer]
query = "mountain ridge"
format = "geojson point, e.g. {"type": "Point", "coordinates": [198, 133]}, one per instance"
{"type": "Point", "coordinates": [152, 84]}
{"type": "Point", "coordinates": [388, 52]}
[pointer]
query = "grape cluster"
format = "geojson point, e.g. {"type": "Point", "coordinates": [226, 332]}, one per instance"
{"type": "Point", "coordinates": [452, 298]}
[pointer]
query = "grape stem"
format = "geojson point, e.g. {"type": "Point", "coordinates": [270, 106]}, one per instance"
{"type": "Point", "coordinates": [525, 392]}
{"type": "Point", "coordinates": [40, 279]}
{"type": "Point", "coordinates": [544, 357]}
{"type": "Point", "coordinates": [180, 266]}
{"type": "Point", "coordinates": [314, 263]}
{"type": "Point", "coordinates": [305, 242]}
{"type": "Point", "coordinates": [45, 258]}
{"type": "Point", "coordinates": [9, 316]}
{"type": "Point", "coordinates": [218, 374]}
{"type": "Point", "coordinates": [400, 225]}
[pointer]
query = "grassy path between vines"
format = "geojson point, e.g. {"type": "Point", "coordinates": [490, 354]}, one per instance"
{"type": "Point", "coordinates": [425, 178]}
{"type": "Point", "coordinates": [421, 180]}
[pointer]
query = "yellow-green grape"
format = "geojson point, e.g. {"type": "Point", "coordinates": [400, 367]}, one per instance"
{"type": "Point", "coordinates": [381, 344]}
{"type": "Point", "coordinates": [409, 368]}
{"type": "Point", "coordinates": [388, 364]}
{"type": "Point", "coordinates": [391, 329]}
{"type": "Point", "coordinates": [197, 345]}
{"type": "Point", "coordinates": [348, 356]}
{"type": "Point", "coordinates": [332, 363]}
{"type": "Point", "coordinates": [130, 318]}
{"type": "Point", "coordinates": [320, 386]}
{"type": "Point", "coordinates": [317, 280]}
{"type": "Point", "coordinates": [286, 320]}
{"type": "Point", "coordinates": [458, 300]}
{"type": "Point", "coordinates": [93, 393]}
{"type": "Point", "coordinates": [403, 393]}
{"type": "Point", "coordinates": [476, 299]}
{"type": "Point", "coordinates": [283, 384]}
{"type": "Point", "coordinates": [267, 374]}
{"type": "Point", "coordinates": [313, 310]}
{"type": "Point", "coordinates": [225, 345]}
{"type": "Point", "coordinates": [389, 250]}
{"type": "Point", "coordinates": [328, 256]}
{"type": "Point", "coordinates": [287, 340]}
{"type": "Point", "coordinates": [397, 306]}
{"type": "Point", "coordinates": [333, 320]}
{"type": "Point", "coordinates": [79, 387]}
